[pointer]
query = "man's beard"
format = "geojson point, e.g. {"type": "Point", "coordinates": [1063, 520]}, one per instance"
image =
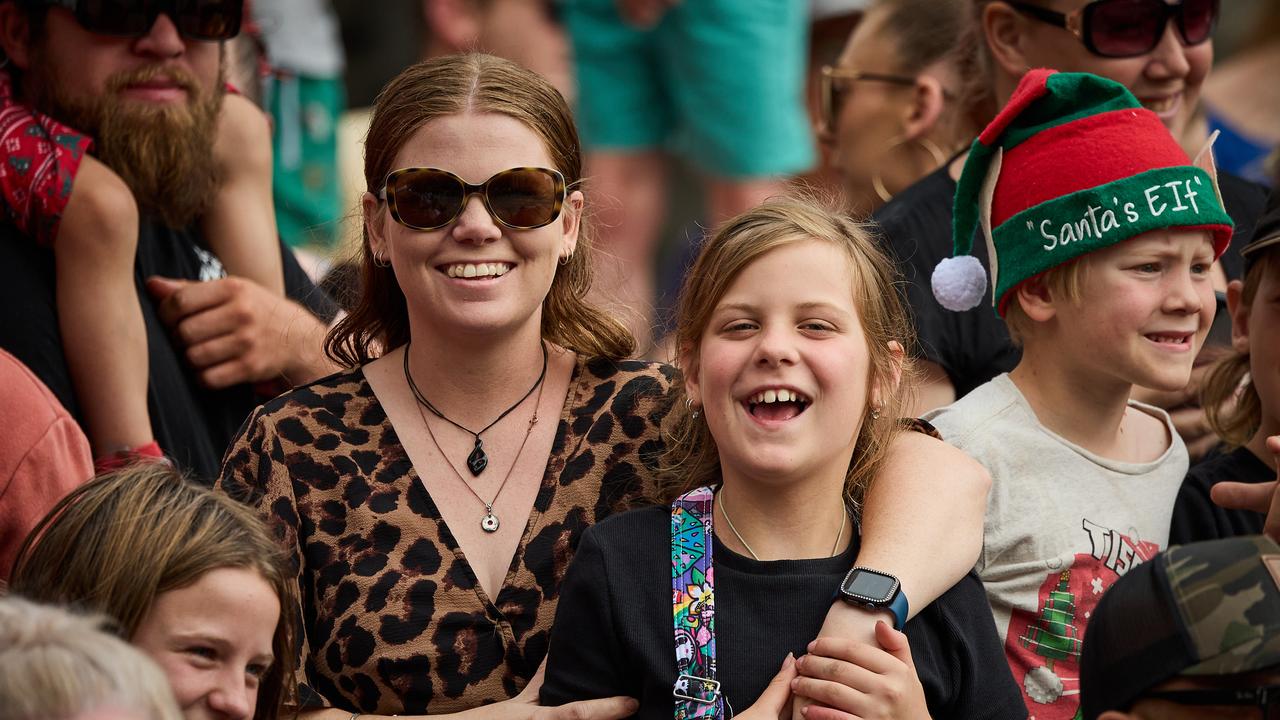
{"type": "Point", "coordinates": [163, 151]}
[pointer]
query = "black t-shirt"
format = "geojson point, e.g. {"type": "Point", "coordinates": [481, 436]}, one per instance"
{"type": "Point", "coordinates": [613, 630]}
{"type": "Point", "coordinates": [1196, 517]}
{"type": "Point", "coordinates": [974, 346]}
{"type": "Point", "coordinates": [192, 424]}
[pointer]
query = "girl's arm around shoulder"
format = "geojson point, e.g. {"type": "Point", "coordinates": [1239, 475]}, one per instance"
{"type": "Point", "coordinates": [922, 523]}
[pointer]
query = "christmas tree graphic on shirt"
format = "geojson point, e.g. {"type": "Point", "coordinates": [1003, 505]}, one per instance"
{"type": "Point", "coordinates": [1043, 647]}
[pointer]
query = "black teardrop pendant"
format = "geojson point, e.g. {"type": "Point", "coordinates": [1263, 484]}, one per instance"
{"type": "Point", "coordinates": [477, 461]}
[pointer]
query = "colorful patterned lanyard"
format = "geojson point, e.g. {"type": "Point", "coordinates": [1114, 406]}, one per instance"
{"type": "Point", "coordinates": [696, 692]}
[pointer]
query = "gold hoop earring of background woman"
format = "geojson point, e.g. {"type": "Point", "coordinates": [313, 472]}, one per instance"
{"type": "Point", "coordinates": [877, 180]}
{"type": "Point", "coordinates": [477, 461]}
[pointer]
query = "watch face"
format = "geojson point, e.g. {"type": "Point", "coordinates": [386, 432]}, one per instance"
{"type": "Point", "coordinates": [870, 586]}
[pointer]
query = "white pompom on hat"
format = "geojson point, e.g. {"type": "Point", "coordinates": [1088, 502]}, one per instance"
{"type": "Point", "coordinates": [959, 283]}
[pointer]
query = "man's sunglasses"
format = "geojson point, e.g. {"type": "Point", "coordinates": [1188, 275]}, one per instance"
{"type": "Point", "coordinates": [428, 198]}
{"type": "Point", "coordinates": [834, 91]}
{"type": "Point", "coordinates": [1266, 699]}
{"type": "Point", "coordinates": [194, 19]}
{"type": "Point", "coordinates": [1128, 28]}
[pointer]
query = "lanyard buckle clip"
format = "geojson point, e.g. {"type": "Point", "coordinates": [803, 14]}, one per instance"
{"type": "Point", "coordinates": [696, 689]}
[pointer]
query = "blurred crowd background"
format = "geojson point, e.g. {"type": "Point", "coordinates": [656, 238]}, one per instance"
{"type": "Point", "coordinates": [317, 65]}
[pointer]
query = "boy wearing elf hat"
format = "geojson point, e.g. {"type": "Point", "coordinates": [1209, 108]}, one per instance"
{"type": "Point", "coordinates": [1100, 233]}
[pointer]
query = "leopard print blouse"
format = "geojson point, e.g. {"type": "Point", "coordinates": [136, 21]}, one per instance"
{"type": "Point", "coordinates": [393, 618]}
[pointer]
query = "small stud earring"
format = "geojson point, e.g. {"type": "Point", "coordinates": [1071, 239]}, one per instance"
{"type": "Point", "coordinates": [875, 413]}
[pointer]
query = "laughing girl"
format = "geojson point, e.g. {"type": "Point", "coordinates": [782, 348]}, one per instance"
{"type": "Point", "coordinates": [791, 344]}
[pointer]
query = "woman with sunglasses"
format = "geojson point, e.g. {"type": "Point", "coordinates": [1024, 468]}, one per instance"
{"type": "Point", "coordinates": [432, 495]}
{"type": "Point", "coordinates": [889, 111]}
{"type": "Point", "coordinates": [1160, 51]}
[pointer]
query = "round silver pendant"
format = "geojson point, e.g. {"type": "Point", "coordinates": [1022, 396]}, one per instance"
{"type": "Point", "coordinates": [489, 523]}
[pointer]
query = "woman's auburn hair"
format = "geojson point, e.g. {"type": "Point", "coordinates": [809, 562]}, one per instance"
{"type": "Point", "coordinates": [1236, 423]}
{"type": "Point", "coordinates": [118, 542]}
{"type": "Point", "coordinates": [475, 83]}
{"type": "Point", "coordinates": [691, 459]}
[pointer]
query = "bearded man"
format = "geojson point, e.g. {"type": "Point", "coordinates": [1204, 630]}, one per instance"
{"type": "Point", "coordinates": [134, 76]}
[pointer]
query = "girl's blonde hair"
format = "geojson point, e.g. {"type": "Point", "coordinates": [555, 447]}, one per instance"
{"type": "Point", "coordinates": [692, 459]}
{"type": "Point", "coordinates": [121, 540]}
{"type": "Point", "coordinates": [1236, 423]}
{"type": "Point", "coordinates": [56, 666]}
{"type": "Point", "coordinates": [451, 85]}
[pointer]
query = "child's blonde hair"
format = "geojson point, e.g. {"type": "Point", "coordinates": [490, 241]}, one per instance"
{"type": "Point", "coordinates": [56, 666]}
{"type": "Point", "coordinates": [692, 459]}
{"type": "Point", "coordinates": [1237, 422]}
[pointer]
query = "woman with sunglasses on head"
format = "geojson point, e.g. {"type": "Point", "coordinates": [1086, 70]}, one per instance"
{"type": "Point", "coordinates": [889, 110]}
{"type": "Point", "coordinates": [433, 494]}
{"type": "Point", "coordinates": [1160, 51]}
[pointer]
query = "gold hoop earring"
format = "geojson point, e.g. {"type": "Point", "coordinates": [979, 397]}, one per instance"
{"type": "Point", "coordinates": [564, 259]}
{"type": "Point", "coordinates": [381, 261]}
{"type": "Point", "coordinates": [931, 147]}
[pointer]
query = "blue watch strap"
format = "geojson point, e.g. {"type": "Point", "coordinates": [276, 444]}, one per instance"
{"type": "Point", "coordinates": [898, 606]}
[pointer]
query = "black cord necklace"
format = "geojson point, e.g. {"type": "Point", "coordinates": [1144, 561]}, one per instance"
{"type": "Point", "coordinates": [477, 461]}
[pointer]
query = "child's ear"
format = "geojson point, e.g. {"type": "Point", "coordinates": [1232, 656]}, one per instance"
{"type": "Point", "coordinates": [687, 361]}
{"type": "Point", "coordinates": [1239, 312]}
{"type": "Point", "coordinates": [898, 358]}
{"type": "Point", "coordinates": [1036, 301]}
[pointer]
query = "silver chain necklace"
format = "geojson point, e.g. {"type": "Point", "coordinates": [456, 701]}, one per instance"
{"type": "Point", "coordinates": [725, 513]}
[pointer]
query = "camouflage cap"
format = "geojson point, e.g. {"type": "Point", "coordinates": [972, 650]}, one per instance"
{"type": "Point", "coordinates": [1207, 608]}
{"type": "Point", "coordinates": [1228, 594]}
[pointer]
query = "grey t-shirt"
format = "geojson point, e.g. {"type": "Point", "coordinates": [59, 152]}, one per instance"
{"type": "Point", "coordinates": [1062, 525]}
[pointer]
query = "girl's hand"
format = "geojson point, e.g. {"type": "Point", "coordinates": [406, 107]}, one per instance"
{"type": "Point", "coordinates": [775, 702]}
{"type": "Point", "coordinates": [861, 681]}
{"type": "Point", "coordinates": [1259, 497]}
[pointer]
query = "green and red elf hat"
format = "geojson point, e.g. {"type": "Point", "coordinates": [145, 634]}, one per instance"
{"type": "Point", "coordinates": [1072, 164]}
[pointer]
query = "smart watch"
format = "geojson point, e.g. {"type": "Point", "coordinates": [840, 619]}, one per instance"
{"type": "Point", "coordinates": [875, 590]}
